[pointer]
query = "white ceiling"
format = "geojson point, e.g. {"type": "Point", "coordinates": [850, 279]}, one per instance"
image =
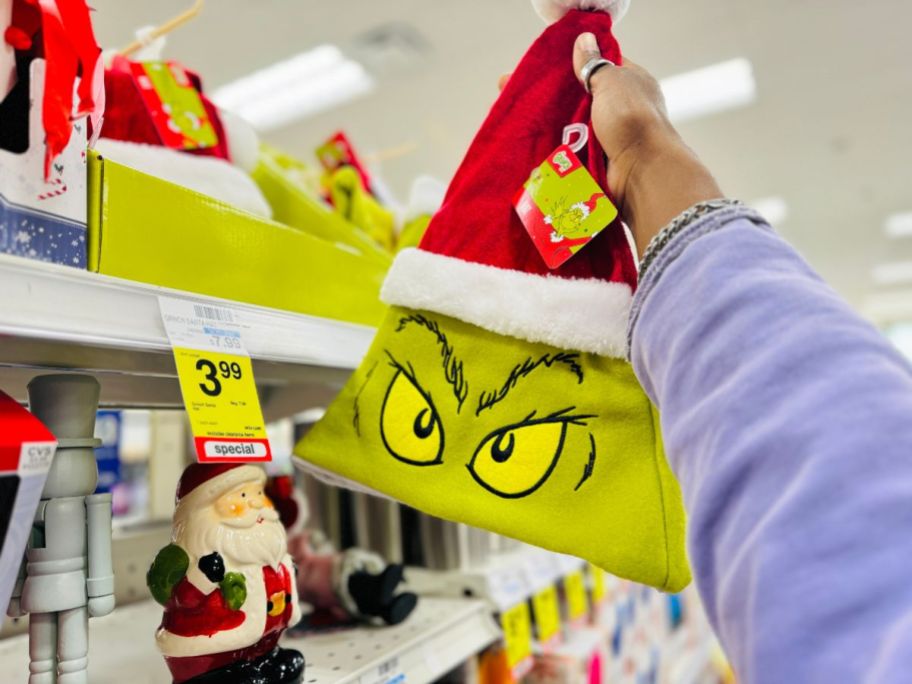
{"type": "Point", "coordinates": [831, 132]}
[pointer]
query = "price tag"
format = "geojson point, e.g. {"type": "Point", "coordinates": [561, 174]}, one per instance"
{"type": "Point", "coordinates": [598, 583]}
{"type": "Point", "coordinates": [216, 380]}
{"type": "Point", "coordinates": [577, 602]}
{"type": "Point", "coordinates": [547, 615]}
{"type": "Point", "coordinates": [517, 629]}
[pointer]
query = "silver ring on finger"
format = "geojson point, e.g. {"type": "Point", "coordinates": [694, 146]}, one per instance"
{"type": "Point", "coordinates": [589, 69]}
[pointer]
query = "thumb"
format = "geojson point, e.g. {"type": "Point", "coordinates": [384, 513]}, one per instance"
{"type": "Point", "coordinates": [585, 49]}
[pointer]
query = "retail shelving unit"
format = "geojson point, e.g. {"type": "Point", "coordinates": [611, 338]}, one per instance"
{"type": "Point", "coordinates": [440, 635]}
{"type": "Point", "coordinates": [58, 318]}
{"type": "Point", "coordinates": [506, 580]}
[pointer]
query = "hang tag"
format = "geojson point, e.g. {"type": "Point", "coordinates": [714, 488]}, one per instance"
{"type": "Point", "coordinates": [517, 629]}
{"type": "Point", "coordinates": [216, 380]}
{"type": "Point", "coordinates": [562, 206]}
{"type": "Point", "coordinates": [175, 105]}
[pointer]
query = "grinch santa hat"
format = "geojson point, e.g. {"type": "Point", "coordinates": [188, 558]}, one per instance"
{"type": "Point", "coordinates": [497, 391]}
{"type": "Point", "coordinates": [203, 483]}
{"type": "Point", "coordinates": [476, 262]}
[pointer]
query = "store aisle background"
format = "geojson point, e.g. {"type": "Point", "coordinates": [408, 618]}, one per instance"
{"type": "Point", "coordinates": [828, 133]}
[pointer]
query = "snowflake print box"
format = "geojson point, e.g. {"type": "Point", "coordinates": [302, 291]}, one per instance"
{"type": "Point", "coordinates": [44, 219]}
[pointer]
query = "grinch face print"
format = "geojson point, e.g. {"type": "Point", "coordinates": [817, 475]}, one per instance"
{"type": "Point", "coordinates": [502, 429]}
{"type": "Point", "coordinates": [521, 438]}
{"type": "Point", "coordinates": [569, 221]}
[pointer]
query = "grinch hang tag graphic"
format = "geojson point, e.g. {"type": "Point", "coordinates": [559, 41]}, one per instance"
{"type": "Point", "coordinates": [561, 205]}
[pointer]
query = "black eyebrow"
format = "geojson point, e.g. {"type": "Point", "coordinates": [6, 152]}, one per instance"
{"type": "Point", "coordinates": [452, 366]}
{"type": "Point", "coordinates": [526, 368]}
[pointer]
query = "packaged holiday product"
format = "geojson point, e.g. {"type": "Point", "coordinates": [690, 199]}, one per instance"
{"type": "Point", "coordinates": [293, 191]}
{"type": "Point", "coordinates": [43, 131]}
{"type": "Point", "coordinates": [497, 391]}
{"type": "Point", "coordinates": [226, 582]}
{"type": "Point", "coordinates": [26, 453]}
{"type": "Point", "coordinates": [158, 121]}
{"type": "Point", "coordinates": [145, 229]}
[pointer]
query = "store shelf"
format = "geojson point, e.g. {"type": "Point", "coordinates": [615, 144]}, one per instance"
{"type": "Point", "coordinates": [54, 317]}
{"type": "Point", "coordinates": [438, 636]}
{"type": "Point", "coordinates": [504, 581]}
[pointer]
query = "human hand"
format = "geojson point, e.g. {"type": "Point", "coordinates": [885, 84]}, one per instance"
{"type": "Point", "coordinates": [652, 174]}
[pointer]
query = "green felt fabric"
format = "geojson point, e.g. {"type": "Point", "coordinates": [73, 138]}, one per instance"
{"type": "Point", "coordinates": [558, 449]}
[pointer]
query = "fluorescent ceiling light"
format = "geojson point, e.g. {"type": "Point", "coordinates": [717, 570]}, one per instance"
{"type": "Point", "coordinates": [295, 88]}
{"type": "Point", "coordinates": [893, 273]}
{"type": "Point", "coordinates": [709, 90]}
{"type": "Point", "coordinates": [773, 209]}
{"type": "Point", "coordinates": [899, 225]}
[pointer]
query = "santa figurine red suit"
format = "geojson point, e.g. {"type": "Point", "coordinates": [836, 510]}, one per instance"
{"type": "Point", "coordinates": [226, 582]}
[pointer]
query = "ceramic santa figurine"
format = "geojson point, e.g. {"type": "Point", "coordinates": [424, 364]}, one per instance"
{"type": "Point", "coordinates": [352, 585]}
{"type": "Point", "coordinates": [226, 582]}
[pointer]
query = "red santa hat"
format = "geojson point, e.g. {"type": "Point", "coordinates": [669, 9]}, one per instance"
{"type": "Point", "coordinates": [205, 482]}
{"type": "Point", "coordinates": [476, 263]}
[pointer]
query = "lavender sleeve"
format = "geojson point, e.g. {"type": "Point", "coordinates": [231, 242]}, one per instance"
{"type": "Point", "coordinates": [788, 422]}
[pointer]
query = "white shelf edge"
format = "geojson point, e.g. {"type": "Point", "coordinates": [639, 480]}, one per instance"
{"type": "Point", "coordinates": [440, 635]}
{"type": "Point", "coordinates": [61, 304]}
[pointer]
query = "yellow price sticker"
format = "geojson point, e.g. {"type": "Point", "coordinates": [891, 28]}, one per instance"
{"type": "Point", "coordinates": [221, 400]}
{"type": "Point", "coordinates": [517, 629]}
{"type": "Point", "coordinates": [547, 614]}
{"type": "Point", "coordinates": [575, 588]}
{"type": "Point", "coordinates": [598, 583]}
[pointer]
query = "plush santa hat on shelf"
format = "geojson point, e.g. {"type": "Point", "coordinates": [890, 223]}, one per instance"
{"type": "Point", "coordinates": [497, 392]}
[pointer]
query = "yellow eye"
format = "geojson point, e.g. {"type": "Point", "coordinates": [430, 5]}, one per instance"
{"type": "Point", "coordinates": [515, 461]}
{"type": "Point", "coordinates": [409, 424]}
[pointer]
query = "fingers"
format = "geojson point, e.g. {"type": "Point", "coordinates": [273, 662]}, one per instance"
{"type": "Point", "coordinates": [585, 49]}
{"type": "Point", "coordinates": [502, 81]}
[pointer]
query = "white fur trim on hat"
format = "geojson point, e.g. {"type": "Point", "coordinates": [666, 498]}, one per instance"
{"type": "Point", "coordinates": [552, 10]}
{"type": "Point", "coordinates": [587, 315]}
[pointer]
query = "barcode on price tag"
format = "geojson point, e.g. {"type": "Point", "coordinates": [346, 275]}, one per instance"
{"type": "Point", "coordinates": [216, 380]}
{"type": "Point", "coordinates": [388, 672]}
{"type": "Point", "coordinates": [214, 313]}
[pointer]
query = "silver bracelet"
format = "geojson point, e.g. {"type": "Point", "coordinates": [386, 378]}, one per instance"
{"type": "Point", "coordinates": [684, 219]}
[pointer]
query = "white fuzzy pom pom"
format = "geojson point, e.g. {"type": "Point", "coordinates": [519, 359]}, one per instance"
{"type": "Point", "coordinates": [552, 10]}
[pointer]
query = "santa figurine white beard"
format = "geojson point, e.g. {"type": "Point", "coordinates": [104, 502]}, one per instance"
{"type": "Point", "coordinates": [257, 538]}
{"type": "Point", "coordinates": [226, 582]}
